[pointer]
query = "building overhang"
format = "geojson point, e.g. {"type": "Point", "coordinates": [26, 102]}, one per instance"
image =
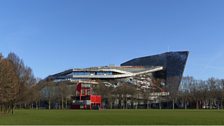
{"type": "Point", "coordinates": [120, 73]}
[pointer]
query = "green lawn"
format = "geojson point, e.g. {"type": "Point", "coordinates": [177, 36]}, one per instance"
{"type": "Point", "coordinates": [114, 117]}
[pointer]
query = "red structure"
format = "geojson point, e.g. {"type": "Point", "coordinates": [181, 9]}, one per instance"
{"type": "Point", "coordinates": [84, 98]}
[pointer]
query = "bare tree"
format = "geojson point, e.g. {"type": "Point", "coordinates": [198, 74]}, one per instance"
{"type": "Point", "coordinates": [25, 75]}
{"type": "Point", "coordinates": [8, 85]}
{"type": "Point", "coordinates": [63, 93]}
{"type": "Point", "coordinates": [184, 98]}
{"type": "Point", "coordinates": [222, 92]}
{"type": "Point", "coordinates": [212, 92]}
{"type": "Point", "coordinates": [106, 93]}
{"type": "Point", "coordinates": [49, 93]}
{"type": "Point", "coordinates": [125, 94]}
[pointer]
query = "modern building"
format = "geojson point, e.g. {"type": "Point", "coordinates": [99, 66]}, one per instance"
{"type": "Point", "coordinates": [161, 74]}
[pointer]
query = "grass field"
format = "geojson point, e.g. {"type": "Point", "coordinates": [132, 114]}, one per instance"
{"type": "Point", "coordinates": [114, 117]}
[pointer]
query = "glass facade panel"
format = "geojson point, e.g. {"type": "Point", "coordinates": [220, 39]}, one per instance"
{"type": "Point", "coordinates": [104, 73]}
{"type": "Point", "coordinates": [81, 73]}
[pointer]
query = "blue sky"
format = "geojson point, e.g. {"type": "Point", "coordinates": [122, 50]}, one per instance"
{"type": "Point", "coordinates": [54, 35]}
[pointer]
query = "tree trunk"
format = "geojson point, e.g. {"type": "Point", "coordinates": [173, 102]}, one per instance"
{"type": "Point", "coordinates": [36, 104]}
{"type": "Point", "coordinates": [197, 104]}
{"type": "Point", "coordinates": [147, 104]}
{"type": "Point", "coordinates": [119, 103]}
{"type": "Point", "coordinates": [150, 105]}
{"type": "Point", "coordinates": [221, 104]}
{"type": "Point", "coordinates": [66, 103]}
{"type": "Point", "coordinates": [126, 105]}
{"type": "Point", "coordinates": [39, 104]}
{"type": "Point", "coordinates": [12, 107]}
{"type": "Point", "coordinates": [49, 104]}
{"type": "Point", "coordinates": [111, 105]}
{"type": "Point", "coordinates": [173, 104]}
{"type": "Point", "coordinates": [185, 105]}
{"type": "Point", "coordinates": [210, 104]}
{"type": "Point", "coordinates": [62, 102]}
{"type": "Point", "coordinates": [132, 103]}
{"type": "Point", "coordinates": [160, 106]}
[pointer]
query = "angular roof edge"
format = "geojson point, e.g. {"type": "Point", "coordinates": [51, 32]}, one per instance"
{"type": "Point", "coordinates": [155, 55]}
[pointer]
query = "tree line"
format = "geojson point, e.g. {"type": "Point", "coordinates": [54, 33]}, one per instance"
{"type": "Point", "coordinates": [192, 94]}
{"type": "Point", "coordinates": [207, 94]}
{"type": "Point", "coordinates": [19, 88]}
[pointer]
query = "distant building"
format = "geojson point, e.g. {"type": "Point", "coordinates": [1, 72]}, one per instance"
{"type": "Point", "coordinates": [160, 73]}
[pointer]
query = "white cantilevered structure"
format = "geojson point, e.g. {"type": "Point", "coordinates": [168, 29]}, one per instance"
{"type": "Point", "coordinates": [104, 73]}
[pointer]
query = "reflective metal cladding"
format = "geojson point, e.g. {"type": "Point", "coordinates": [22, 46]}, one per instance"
{"type": "Point", "coordinates": [173, 63]}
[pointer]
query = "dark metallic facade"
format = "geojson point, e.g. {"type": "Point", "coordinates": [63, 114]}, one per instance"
{"type": "Point", "coordinates": [172, 62]}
